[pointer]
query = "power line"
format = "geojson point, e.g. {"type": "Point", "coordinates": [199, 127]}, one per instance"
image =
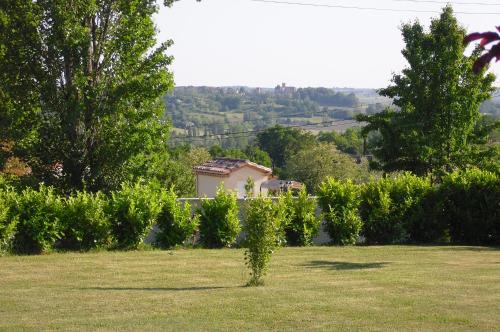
{"type": "Point", "coordinates": [450, 2]}
{"type": "Point", "coordinates": [276, 116]}
{"type": "Point", "coordinates": [333, 123]}
{"type": "Point", "coordinates": [309, 4]}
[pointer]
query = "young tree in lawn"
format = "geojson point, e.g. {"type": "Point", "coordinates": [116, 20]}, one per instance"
{"type": "Point", "coordinates": [439, 97]}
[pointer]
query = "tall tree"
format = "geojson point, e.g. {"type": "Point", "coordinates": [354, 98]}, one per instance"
{"type": "Point", "coordinates": [438, 97]}
{"type": "Point", "coordinates": [80, 88]}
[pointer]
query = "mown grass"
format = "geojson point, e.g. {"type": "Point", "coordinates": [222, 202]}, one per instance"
{"type": "Point", "coordinates": [321, 288]}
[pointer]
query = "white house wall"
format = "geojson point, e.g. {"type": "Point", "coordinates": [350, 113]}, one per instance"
{"type": "Point", "coordinates": [207, 184]}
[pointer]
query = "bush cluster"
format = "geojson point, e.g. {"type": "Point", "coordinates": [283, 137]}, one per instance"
{"type": "Point", "coordinates": [133, 210]}
{"type": "Point", "coordinates": [37, 221]}
{"type": "Point", "coordinates": [464, 209]}
{"type": "Point", "coordinates": [302, 224]}
{"type": "Point", "coordinates": [470, 202]}
{"type": "Point", "coordinates": [8, 222]}
{"type": "Point", "coordinates": [175, 223]}
{"type": "Point", "coordinates": [219, 223]}
{"type": "Point", "coordinates": [85, 223]}
{"type": "Point", "coordinates": [339, 201]}
{"type": "Point", "coordinates": [389, 204]}
{"type": "Point", "coordinates": [38, 214]}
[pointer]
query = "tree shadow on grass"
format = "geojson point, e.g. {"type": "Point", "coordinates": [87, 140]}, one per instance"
{"type": "Point", "coordinates": [345, 265]}
{"type": "Point", "coordinates": [157, 289]}
{"type": "Point", "coordinates": [469, 248]}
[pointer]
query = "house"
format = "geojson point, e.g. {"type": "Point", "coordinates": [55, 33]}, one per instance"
{"type": "Point", "coordinates": [234, 173]}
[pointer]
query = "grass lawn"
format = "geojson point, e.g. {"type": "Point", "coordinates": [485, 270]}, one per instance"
{"type": "Point", "coordinates": [321, 288]}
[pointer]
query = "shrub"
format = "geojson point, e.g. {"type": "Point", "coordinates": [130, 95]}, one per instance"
{"type": "Point", "coordinates": [263, 226]}
{"type": "Point", "coordinates": [425, 221]}
{"type": "Point", "coordinates": [339, 202]}
{"type": "Point", "coordinates": [38, 213]}
{"type": "Point", "coordinates": [174, 222]}
{"type": "Point", "coordinates": [219, 223]}
{"type": "Point", "coordinates": [8, 222]}
{"type": "Point", "coordinates": [471, 206]}
{"type": "Point", "coordinates": [387, 206]}
{"type": "Point", "coordinates": [303, 224]}
{"type": "Point", "coordinates": [85, 222]}
{"type": "Point", "coordinates": [132, 212]}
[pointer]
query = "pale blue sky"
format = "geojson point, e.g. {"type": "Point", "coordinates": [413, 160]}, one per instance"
{"type": "Point", "coordinates": [241, 42]}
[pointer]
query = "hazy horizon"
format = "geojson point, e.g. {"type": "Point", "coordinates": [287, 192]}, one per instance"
{"type": "Point", "coordinates": [256, 44]}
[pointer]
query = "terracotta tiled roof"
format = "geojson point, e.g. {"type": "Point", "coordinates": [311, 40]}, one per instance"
{"type": "Point", "coordinates": [224, 166]}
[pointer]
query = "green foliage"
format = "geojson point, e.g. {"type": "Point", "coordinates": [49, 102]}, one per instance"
{"type": "Point", "coordinates": [80, 89]}
{"type": "Point", "coordinates": [219, 223]}
{"type": "Point", "coordinates": [205, 111]}
{"type": "Point", "coordinates": [8, 222]}
{"type": "Point", "coordinates": [424, 220]}
{"type": "Point", "coordinates": [263, 226]}
{"type": "Point", "coordinates": [85, 223]}
{"type": "Point", "coordinates": [258, 156]}
{"type": "Point", "coordinates": [303, 224]}
{"type": "Point", "coordinates": [39, 214]}
{"type": "Point", "coordinates": [438, 96]}
{"type": "Point", "coordinates": [249, 187]}
{"type": "Point", "coordinates": [313, 165]}
{"type": "Point", "coordinates": [175, 224]}
{"type": "Point", "coordinates": [388, 206]}
{"type": "Point", "coordinates": [251, 152]}
{"type": "Point", "coordinates": [350, 141]}
{"type": "Point", "coordinates": [177, 169]}
{"type": "Point", "coordinates": [339, 201]}
{"type": "Point", "coordinates": [279, 142]}
{"type": "Point", "coordinates": [471, 206]}
{"type": "Point", "coordinates": [132, 212]}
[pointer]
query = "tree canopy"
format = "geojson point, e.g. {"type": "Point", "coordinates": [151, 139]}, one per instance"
{"type": "Point", "coordinates": [80, 89]}
{"type": "Point", "coordinates": [279, 142]}
{"type": "Point", "coordinates": [438, 98]}
{"type": "Point", "coordinates": [313, 165]}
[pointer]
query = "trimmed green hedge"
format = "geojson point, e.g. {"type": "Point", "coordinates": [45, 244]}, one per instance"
{"type": "Point", "coordinates": [175, 223]}
{"type": "Point", "coordinates": [388, 208]}
{"type": "Point", "coordinates": [302, 225]}
{"type": "Point", "coordinates": [85, 223]}
{"type": "Point", "coordinates": [219, 223]}
{"type": "Point", "coordinates": [8, 222]}
{"type": "Point", "coordinates": [39, 220]}
{"type": "Point", "coordinates": [133, 211]}
{"type": "Point", "coordinates": [340, 201]}
{"type": "Point", "coordinates": [471, 207]}
{"type": "Point", "coordinates": [464, 209]}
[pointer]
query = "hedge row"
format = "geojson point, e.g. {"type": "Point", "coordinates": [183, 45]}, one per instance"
{"type": "Point", "coordinates": [36, 221]}
{"type": "Point", "coordinates": [463, 209]}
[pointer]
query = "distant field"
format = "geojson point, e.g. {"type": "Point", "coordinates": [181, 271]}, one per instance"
{"type": "Point", "coordinates": [321, 288]}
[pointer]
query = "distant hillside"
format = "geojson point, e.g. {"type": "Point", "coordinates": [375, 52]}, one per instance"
{"type": "Point", "coordinates": [204, 115]}
{"type": "Point", "coordinates": [212, 111]}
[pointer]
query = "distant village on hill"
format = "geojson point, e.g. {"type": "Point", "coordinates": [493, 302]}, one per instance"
{"type": "Point", "coordinates": [198, 112]}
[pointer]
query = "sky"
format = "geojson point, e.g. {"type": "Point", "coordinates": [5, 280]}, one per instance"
{"type": "Point", "coordinates": [262, 44]}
